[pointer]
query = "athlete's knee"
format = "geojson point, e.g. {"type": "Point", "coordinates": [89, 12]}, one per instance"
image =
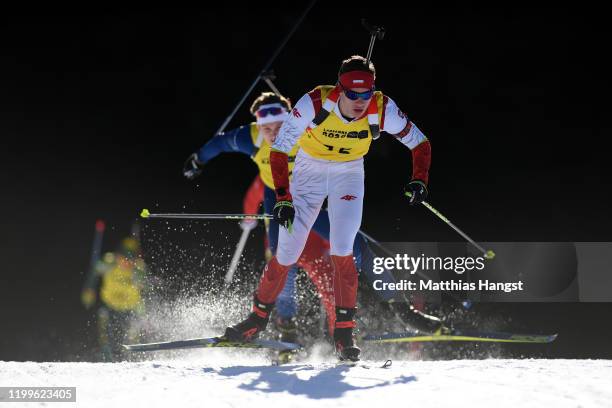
{"type": "Point", "coordinates": [341, 249]}
{"type": "Point", "coordinates": [287, 259]}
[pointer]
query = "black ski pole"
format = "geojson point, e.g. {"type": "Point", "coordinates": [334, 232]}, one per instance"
{"type": "Point", "coordinates": [420, 273]}
{"type": "Point", "coordinates": [486, 253]}
{"type": "Point", "coordinates": [146, 214]}
{"type": "Point", "coordinates": [375, 33]}
{"type": "Point", "coordinates": [265, 68]}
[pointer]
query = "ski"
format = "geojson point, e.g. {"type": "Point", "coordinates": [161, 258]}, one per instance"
{"type": "Point", "coordinates": [362, 364]}
{"type": "Point", "coordinates": [461, 335]}
{"type": "Point", "coordinates": [211, 342]}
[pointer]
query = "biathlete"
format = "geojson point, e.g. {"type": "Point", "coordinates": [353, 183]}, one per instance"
{"type": "Point", "coordinates": [334, 127]}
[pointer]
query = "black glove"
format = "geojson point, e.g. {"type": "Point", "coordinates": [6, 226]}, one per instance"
{"type": "Point", "coordinates": [284, 214]}
{"type": "Point", "coordinates": [416, 191]}
{"type": "Point", "coordinates": [192, 167]}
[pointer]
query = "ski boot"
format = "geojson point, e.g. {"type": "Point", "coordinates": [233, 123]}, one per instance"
{"type": "Point", "coordinates": [417, 320]}
{"type": "Point", "coordinates": [343, 335]}
{"type": "Point", "coordinates": [287, 329]}
{"type": "Point", "coordinates": [288, 334]}
{"type": "Point", "coordinates": [254, 324]}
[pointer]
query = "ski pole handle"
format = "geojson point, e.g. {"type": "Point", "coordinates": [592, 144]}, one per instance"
{"type": "Point", "coordinates": [268, 77]}
{"type": "Point", "coordinates": [379, 32]}
{"type": "Point", "coordinates": [375, 33]}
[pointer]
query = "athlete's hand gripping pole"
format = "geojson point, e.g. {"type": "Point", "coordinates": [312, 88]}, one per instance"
{"type": "Point", "coordinates": [284, 213]}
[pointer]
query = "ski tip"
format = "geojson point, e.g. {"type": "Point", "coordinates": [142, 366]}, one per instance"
{"type": "Point", "coordinates": [145, 213]}
{"type": "Point", "coordinates": [489, 254]}
{"type": "Point", "coordinates": [552, 337]}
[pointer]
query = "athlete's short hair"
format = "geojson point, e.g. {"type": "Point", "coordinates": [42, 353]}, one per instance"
{"type": "Point", "coordinates": [269, 97]}
{"type": "Point", "coordinates": [357, 63]}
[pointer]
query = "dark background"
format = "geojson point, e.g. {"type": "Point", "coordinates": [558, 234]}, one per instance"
{"type": "Point", "coordinates": [98, 111]}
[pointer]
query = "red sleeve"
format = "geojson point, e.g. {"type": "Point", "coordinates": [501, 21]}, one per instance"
{"type": "Point", "coordinates": [421, 161]}
{"type": "Point", "coordinates": [253, 197]}
{"type": "Point", "coordinates": [279, 162]}
{"type": "Point", "coordinates": [315, 97]}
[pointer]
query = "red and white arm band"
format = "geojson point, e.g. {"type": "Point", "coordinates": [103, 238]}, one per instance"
{"type": "Point", "coordinates": [405, 131]}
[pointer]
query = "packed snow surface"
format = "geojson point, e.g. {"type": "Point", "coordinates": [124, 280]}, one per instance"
{"type": "Point", "coordinates": [222, 378]}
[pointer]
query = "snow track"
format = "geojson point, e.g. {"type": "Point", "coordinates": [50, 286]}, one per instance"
{"type": "Point", "coordinates": [216, 380]}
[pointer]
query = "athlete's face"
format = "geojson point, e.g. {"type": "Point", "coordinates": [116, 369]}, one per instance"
{"type": "Point", "coordinates": [270, 131]}
{"type": "Point", "coordinates": [356, 108]}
